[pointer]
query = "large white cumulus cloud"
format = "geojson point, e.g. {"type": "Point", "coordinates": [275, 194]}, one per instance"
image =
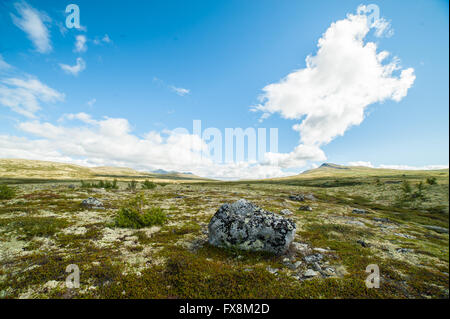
{"type": "Point", "coordinates": [331, 93]}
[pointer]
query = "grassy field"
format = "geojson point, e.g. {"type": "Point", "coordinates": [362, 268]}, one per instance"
{"type": "Point", "coordinates": [44, 228]}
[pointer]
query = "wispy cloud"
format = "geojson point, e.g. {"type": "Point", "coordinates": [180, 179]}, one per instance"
{"type": "Point", "coordinates": [74, 69]}
{"type": "Point", "coordinates": [398, 167]}
{"type": "Point", "coordinates": [3, 64]}
{"type": "Point", "coordinates": [32, 22]}
{"type": "Point", "coordinates": [91, 102]}
{"type": "Point", "coordinates": [24, 95]}
{"type": "Point", "coordinates": [104, 39]}
{"type": "Point", "coordinates": [179, 91]}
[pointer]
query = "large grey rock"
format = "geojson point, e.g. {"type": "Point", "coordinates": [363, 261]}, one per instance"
{"type": "Point", "coordinates": [246, 226]}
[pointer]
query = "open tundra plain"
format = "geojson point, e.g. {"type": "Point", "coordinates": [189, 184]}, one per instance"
{"type": "Point", "coordinates": [346, 219]}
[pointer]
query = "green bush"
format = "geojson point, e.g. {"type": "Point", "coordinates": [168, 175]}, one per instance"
{"type": "Point", "coordinates": [7, 192]}
{"type": "Point", "coordinates": [431, 181]}
{"type": "Point", "coordinates": [132, 185]}
{"type": "Point", "coordinates": [100, 184]}
{"type": "Point", "coordinates": [133, 214]}
{"type": "Point", "coordinates": [148, 185]}
{"type": "Point", "coordinates": [406, 187]}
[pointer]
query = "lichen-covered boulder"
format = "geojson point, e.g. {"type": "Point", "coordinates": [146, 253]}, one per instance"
{"type": "Point", "coordinates": [246, 226]}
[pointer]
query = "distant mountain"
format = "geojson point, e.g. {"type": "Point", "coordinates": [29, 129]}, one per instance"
{"type": "Point", "coordinates": [33, 169]}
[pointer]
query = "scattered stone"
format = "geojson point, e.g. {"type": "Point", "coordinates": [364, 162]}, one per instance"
{"type": "Point", "coordinates": [286, 212]}
{"type": "Point", "coordinates": [311, 273]}
{"type": "Point", "coordinates": [316, 266]}
{"type": "Point", "coordinates": [71, 186]}
{"type": "Point", "coordinates": [355, 222]}
{"type": "Point", "coordinates": [305, 208]}
{"type": "Point", "coordinates": [92, 202]}
{"type": "Point", "coordinates": [363, 243]}
{"type": "Point", "coordinates": [313, 258]}
{"type": "Point", "coordinates": [299, 247]}
{"type": "Point", "coordinates": [360, 211]}
{"type": "Point", "coordinates": [440, 230]}
{"type": "Point", "coordinates": [321, 250]}
{"type": "Point", "coordinates": [310, 197]}
{"type": "Point", "coordinates": [381, 220]}
{"type": "Point", "coordinates": [298, 197]}
{"type": "Point", "coordinates": [246, 226]}
{"type": "Point", "coordinates": [329, 271]}
{"type": "Point", "coordinates": [404, 250]}
{"type": "Point", "coordinates": [179, 196]}
{"type": "Point", "coordinates": [405, 236]}
{"type": "Point", "coordinates": [272, 270]}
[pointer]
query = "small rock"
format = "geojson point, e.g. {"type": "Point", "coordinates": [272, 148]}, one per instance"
{"type": "Point", "coordinates": [286, 212]}
{"type": "Point", "coordinates": [305, 208]}
{"type": "Point", "coordinates": [355, 222]}
{"type": "Point", "coordinates": [299, 247]}
{"type": "Point", "coordinates": [437, 229]}
{"type": "Point", "coordinates": [381, 220]}
{"type": "Point", "coordinates": [362, 243]}
{"type": "Point", "coordinates": [310, 197]}
{"type": "Point", "coordinates": [313, 258]}
{"type": "Point", "coordinates": [310, 273]}
{"type": "Point", "coordinates": [92, 202]}
{"type": "Point", "coordinates": [298, 197]}
{"type": "Point", "coordinates": [272, 270]}
{"type": "Point", "coordinates": [404, 250]}
{"type": "Point", "coordinates": [321, 250]}
{"type": "Point", "coordinates": [360, 211]}
{"type": "Point", "coordinates": [316, 266]}
{"type": "Point", "coordinates": [405, 236]}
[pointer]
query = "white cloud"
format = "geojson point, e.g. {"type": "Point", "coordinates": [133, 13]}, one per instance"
{"type": "Point", "coordinates": [399, 167]}
{"type": "Point", "coordinates": [180, 91]}
{"type": "Point", "coordinates": [360, 163]}
{"type": "Point", "coordinates": [104, 39]}
{"type": "Point", "coordinates": [332, 92]}
{"type": "Point", "coordinates": [409, 167]}
{"type": "Point", "coordinates": [75, 69]}
{"type": "Point", "coordinates": [91, 102]}
{"type": "Point", "coordinates": [24, 95]}
{"type": "Point", "coordinates": [31, 21]}
{"type": "Point", "coordinates": [80, 43]}
{"type": "Point", "coordinates": [110, 141]}
{"type": "Point", "coordinates": [3, 64]}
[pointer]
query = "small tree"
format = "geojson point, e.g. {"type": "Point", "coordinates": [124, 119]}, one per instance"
{"type": "Point", "coordinates": [406, 187]}
{"type": "Point", "coordinates": [148, 185]}
{"type": "Point", "coordinates": [132, 185]}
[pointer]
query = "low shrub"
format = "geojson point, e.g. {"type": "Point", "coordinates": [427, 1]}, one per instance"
{"type": "Point", "coordinates": [7, 192]}
{"type": "Point", "coordinates": [148, 185]}
{"type": "Point", "coordinates": [132, 185]}
{"type": "Point", "coordinates": [431, 181]}
{"type": "Point", "coordinates": [100, 184]}
{"type": "Point", "coordinates": [134, 215]}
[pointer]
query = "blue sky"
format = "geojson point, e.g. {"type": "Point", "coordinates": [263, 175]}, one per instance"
{"type": "Point", "coordinates": [153, 66]}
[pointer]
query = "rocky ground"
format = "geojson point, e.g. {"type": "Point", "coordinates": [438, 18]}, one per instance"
{"type": "Point", "coordinates": [340, 230]}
